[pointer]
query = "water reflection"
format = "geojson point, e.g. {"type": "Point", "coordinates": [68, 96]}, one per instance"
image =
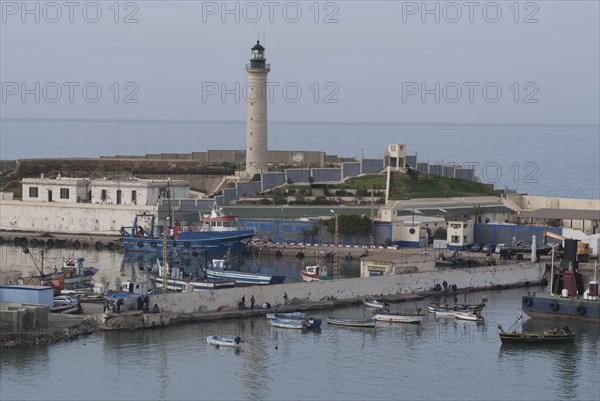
{"type": "Point", "coordinates": [116, 266]}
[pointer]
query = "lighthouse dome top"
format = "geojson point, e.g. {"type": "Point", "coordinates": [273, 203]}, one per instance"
{"type": "Point", "coordinates": [258, 46]}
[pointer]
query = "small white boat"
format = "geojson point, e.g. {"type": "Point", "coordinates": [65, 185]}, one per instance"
{"type": "Point", "coordinates": [470, 316]}
{"type": "Point", "coordinates": [399, 317]}
{"type": "Point", "coordinates": [296, 323]}
{"type": "Point", "coordinates": [289, 323]}
{"type": "Point", "coordinates": [374, 303]}
{"type": "Point", "coordinates": [287, 315]}
{"type": "Point", "coordinates": [446, 307]}
{"type": "Point", "coordinates": [350, 322]}
{"type": "Point", "coordinates": [224, 341]}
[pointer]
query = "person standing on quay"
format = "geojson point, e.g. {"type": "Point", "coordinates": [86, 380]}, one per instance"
{"type": "Point", "coordinates": [252, 300]}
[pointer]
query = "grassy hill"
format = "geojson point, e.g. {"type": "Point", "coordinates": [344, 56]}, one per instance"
{"type": "Point", "coordinates": [416, 185]}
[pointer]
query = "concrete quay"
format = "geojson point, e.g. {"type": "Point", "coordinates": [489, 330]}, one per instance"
{"type": "Point", "coordinates": [60, 240]}
{"type": "Point", "coordinates": [320, 295]}
{"type": "Point", "coordinates": [177, 308]}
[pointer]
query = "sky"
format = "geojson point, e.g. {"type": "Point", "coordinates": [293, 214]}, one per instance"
{"type": "Point", "coordinates": [504, 62]}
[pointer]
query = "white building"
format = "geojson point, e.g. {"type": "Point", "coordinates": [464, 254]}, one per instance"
{"type": "Point", "coordinates": [135, 191]}
{"type": "Point", "coordinates": [59, 189]}
{"type": "Point", "coordinates": [132, 191]}
{"type": "Point", "coordinates": [397, 156]}
{"type": "Point", "coordinates": [460, 234]}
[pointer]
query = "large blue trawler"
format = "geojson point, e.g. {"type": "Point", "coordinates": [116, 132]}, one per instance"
{"type": "Point", "coordinates": [217, 234]}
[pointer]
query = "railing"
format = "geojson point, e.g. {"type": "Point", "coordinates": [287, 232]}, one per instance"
{"type": "Point", "coordinates": [265, 66]}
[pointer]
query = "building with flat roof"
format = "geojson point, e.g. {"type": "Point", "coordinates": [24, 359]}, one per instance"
{"type": "Point", "coordinates": [131, 191]}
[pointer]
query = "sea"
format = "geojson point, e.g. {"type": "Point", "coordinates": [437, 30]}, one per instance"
{"type": "Point", "coordinates": [546, 160]}
{"type": "Point", "coordinates": [440, 359]}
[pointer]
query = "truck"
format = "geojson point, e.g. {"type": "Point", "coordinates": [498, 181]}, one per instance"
{"type": "Point", "coordinates": [583, 248]}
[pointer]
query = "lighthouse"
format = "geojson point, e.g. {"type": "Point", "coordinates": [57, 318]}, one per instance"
{"type": "Point", "coordinates": [256, 93]}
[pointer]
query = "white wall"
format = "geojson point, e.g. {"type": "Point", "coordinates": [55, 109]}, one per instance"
{"type": "Point", "coordinates": [350, 288]}
{"type": "Point", "coordinates": [67, 217]}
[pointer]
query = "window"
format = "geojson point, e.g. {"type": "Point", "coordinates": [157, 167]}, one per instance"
{"type": "Point", "coordinates": [118, 196]}
{"type": "Point", "coordinates": [454, 239]}
{"type": "Point", "coordinates": [33, 192]}
{"type": "Point", "coordinates": [134, 197]}
{"type": "Point", "coordinates": [64, 193]}
{"type": "Point", "coordinates": [103, 195]}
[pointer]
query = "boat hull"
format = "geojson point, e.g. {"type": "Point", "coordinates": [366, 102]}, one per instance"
{"type": "Point", "coordinates": [209, 242]}
{"type": "Point", "coordinates": [222, 341]}
{"type": "Point", "coordinates": [192, 285]}
{"type": "Point", "coordinates": [374, 304]}
{"type": "Point", "coordinates": [535, 338]}
{"type": "Point", "coordinates": [398, 318]}
{"type": "Point", "coordinates": [350, 322]}
{"type": "Point", "coordinates": [242, 279]}
{"type": "Point", "coordinates": [546, 306]}
{"type": "Point", "coordinates": [286, 315]}
{"type": "Point", "coordinates": [471, 317]}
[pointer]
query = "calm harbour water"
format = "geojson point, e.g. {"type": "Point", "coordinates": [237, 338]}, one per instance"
{"type": "Point", "coordinates": [440, 359]}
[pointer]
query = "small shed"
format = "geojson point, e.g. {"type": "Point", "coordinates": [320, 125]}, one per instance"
{"type": "Point", "coordinates": [27, 294]}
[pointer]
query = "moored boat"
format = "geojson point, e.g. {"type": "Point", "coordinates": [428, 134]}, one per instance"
{"type": "Point", "coordinates": [224, 341]}
{"type": "Point", "coordinates": [218, 234]}
{"type": "Point", "coordinates": [446, 307]}
{"type": "Point", "coordinates": [547, 336]}
{"type": "Point", "coordinates": [179, 280]}
{"type": "Point", "coordinates": [72, 274]}
{"type": "Point", "coordinates": [219, 272]}
{"type": "Point", "coordinates": [373, 303]}
{"type": "Point", "coordinates": [350, 322]}
{"type": "Point", "coordinates": [414, 317]}
{"type": "Point", "coordinates": [469, 316]}
{"type": "Point", "coordinates": [565, 301]}
{"type": "Point", "coordinates": [287, 315]}
{"type": "Point", "coordinates": [315, 273]}
{"type": "Point", "coordinates": [296, 323]}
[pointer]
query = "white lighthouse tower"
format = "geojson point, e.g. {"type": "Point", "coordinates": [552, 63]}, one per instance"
{"type": "Point", "coordinates": [256, 132]}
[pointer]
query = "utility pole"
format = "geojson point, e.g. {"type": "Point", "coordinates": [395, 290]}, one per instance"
{"type": "Point", "coordinates": [372, 217]}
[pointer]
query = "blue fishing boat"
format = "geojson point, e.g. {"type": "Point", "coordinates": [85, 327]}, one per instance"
{"type": "Point", "coordinates": [286, 315]}
{"type": "Point", "coordinates": [219, 271]}
{"type": "Point", "coordinates": [217, 234]}
{"type": "Point", "coordinates": [296, 323]}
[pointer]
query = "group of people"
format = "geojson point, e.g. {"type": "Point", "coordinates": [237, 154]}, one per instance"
{"type": "Point", "coordinates": [264, 305]}
{"type": "Point", "coordinates": [143, 303]}
{"type": "Point", "coordinates": [242, 304]}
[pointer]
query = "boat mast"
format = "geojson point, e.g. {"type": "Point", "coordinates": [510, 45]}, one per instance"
{"type": "Point", "coordinates": [165, 267]}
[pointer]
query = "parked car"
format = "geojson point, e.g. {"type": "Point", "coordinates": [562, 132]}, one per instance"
{"type": "Point", "coordinates": [500, 247]}
{"type": "Point", "coordinates": [488, 248]}
{"type": "Point", "coordinates": [476, 247]}
{"type": "Point", "coordinates": [64, 300]}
